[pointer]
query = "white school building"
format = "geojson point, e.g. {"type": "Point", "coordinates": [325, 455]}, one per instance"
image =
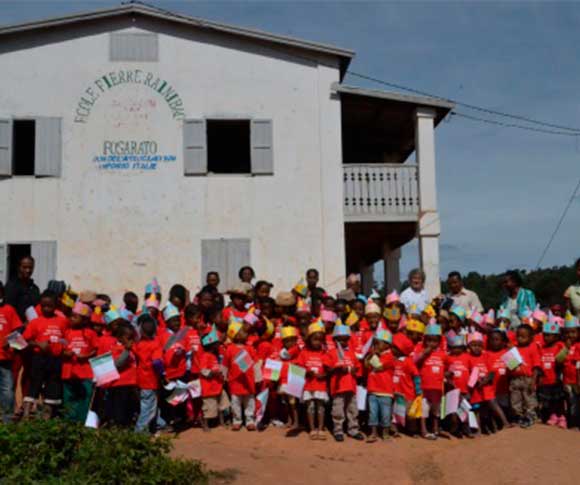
{"type": "Point", "coordinates": [135, 142]}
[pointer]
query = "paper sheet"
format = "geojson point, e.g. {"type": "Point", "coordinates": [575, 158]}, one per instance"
{"type": "Point", "coordinates": [361, 398]}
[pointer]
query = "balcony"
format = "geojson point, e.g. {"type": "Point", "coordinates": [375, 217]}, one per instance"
{"type": "Point", "coordinates": [380, 192]}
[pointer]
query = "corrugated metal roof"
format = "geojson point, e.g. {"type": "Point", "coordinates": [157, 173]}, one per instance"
{"type": "Point", "coordinates": [345, 55]}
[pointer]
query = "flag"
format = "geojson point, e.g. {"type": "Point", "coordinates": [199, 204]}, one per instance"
{"type": "Point", "coordinates": [261, 403]}
{"type": "Point", "coordinates": [451, 402]}
{"type": "Point", "coordinates": [176, 337]}
{"type": "Point", "coordinates": [92, 420]}
{"type": "Point", "coordinates": [367, 346]}
{"type": "Point", "coordinates": [351, 319]}
{"type": "Point", "coordinates": [243, 360]}
{"type": "Point", "coordinates": [512, 358]}
{"type": "Point", "coordinates": [339, 351]}
{"type": "Point", "coordinates": [416, 408]}
{"type": "Point", "coordinates": [30, 314]}
{"type": "Point", "coordinates": [473, 377]}
{"type": "Point", "coordinates": [272, 369]}
{"type": "Point", "coordinates": [104, 369]}
{"type": "Point", "coordinates": [16, 341]}
{"type": "Point", "coordinates": [361, 398]}
{"type": "Point", "coordinates": [296, 380]}
{"type": "Point", "coordinates": [400, 410]}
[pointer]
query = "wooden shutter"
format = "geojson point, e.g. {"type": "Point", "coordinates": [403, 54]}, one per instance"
{"type": "Point", "coordinates": [129, 47]}
{"type": "Point", "coordinates": [5, 147]}
{"type": "Point", "coordinates": [262, 151]}
{"type": "Point", "coordinates": [214, 258]}
{"type": "Point", "coordinates": [194, 147]}
{"type": "Point", "coordinates": [238, 255]}
{"type": "Point", "coordinates": [48, 147]}
{"type": "Point", "coordinates": [3, 263]}
{"type": "Point", "coordinates": [44, 254]}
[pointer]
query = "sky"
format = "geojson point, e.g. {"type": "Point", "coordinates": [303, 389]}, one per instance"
{"type": "Point", "coordinates": [501, 190]}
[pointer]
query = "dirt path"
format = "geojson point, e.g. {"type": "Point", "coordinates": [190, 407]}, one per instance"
{"type": "Point", "coordinates": [515, 456]}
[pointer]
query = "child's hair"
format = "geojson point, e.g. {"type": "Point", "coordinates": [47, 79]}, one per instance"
{"type": "Point", "coordinates": [312, 270]}
{"type": "Point", "coordinates": [49, 294]}
{"type": "Point", "coordinates": [146, 318]}
{"type": "Point", "coordinates": [244, 268]}
{"type": "Point", "coordinates": [261, 283]}
{"type": "Point", "coordinates": [178, 291]}
{"type": "Point", "coordinates": [266, 301]}
{"type": "Point", "coordinates": [131, 301]}
{"type": "Point", "coordinates": [122, 328]}
{"type": "Point", "coordinates": [104, 297]}
{"type": "Point", "coordinates": [192, 310]}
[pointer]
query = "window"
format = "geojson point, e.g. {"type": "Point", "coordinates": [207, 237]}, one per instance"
{"type": "Point", "coordinates": [23, 147]}
{"type": "Point", "coordinates": [228, 146]}
{"type": "Point", "coordinates": [30, 147]}
{"type": "Point", "coordinates": [126, 47]}
{"type": "Point", "coordinates": [43, 252]}
{"type": "Point", "coordinates": [226, 256]}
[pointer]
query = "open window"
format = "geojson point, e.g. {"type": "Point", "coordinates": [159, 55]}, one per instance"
{"type": "Point", "coordinates": [23, 147]}
{"type": "Point", "coordinates": [228, 146]}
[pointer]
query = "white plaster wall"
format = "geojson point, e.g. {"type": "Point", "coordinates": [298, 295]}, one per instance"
{"type": "Point", "coordinates": [115, 230]}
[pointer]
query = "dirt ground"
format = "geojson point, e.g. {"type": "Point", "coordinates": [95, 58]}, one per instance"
{"type": "Point", "coordinates": [514, 456]}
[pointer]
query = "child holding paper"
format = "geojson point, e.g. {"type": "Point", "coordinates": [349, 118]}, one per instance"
{"type": "Point", "coordinates": [523, 378]}
{"type": "Point", "coordinates": [288, 355]}
{"type": "Point", "coordinates": [496, 347]}
{"type": "Point", "coordinates": [570, 360]}
{"type": "Point", "coordinates": [343, 366]}
{"type": "Point", "coordinates": [315, 394]}
{"type": "Point", "coordinates": [239, 360]}
{"type": "Point", "coordinates": [45, 336]}
{"type": "Point", "coordinates": [550, 389]}
{"type": "Point", "coordinates": [81, 345]}
{"type": "Point", "coordinates": [381, 367]}
{"type": "Point", "coordinates": [457, 375]}
{"type": "Point", "coordinates": [406, 377]}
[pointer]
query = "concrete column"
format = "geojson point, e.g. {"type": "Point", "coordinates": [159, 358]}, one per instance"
{"type": "Point", "coordinates": [428, 226]}
{"type": "Point", "coordinates": [392, 273]}
{"type": "Point", "coordinates": [367, 274]}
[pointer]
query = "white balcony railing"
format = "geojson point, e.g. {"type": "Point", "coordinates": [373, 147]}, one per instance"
{"type": "Point", "coordinates": [380, 192]}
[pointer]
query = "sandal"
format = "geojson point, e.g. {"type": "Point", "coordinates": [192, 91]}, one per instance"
{"type": "Point", "coordinates": [322, 435]}
{"type": "Point", "coordinates": [429, 436]}
{"type": "Point", "coordinates": [313, 435]}
{"type": "Point", "coordinates": [372, 438]}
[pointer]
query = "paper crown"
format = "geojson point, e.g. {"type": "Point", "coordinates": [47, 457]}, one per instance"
{"type": "Point", "coordinates": [414, 325]}
{"type": "Point", "coordinates": [268, 329]}
{"type": "Point", "coordinates": [503, 313]}
{"type": "Point", "coordinates": [372, 308]}
{"type": "Point", "coordinates": [384, 335]}
{"type": "Point", "coordinates": [477, 318]}
{"type": "Point", "coordinates": [374, 295]}
{"type": "Point", "coordinates": [539, 315]}
{"type": "Point", "coordinates": [433, 330]}
{"type": "Point", "coordinates": [525, 315]}
{"type": "Point", "coordinates": [241, 289]}
{"type": "Point", "coordinates": [288, 332]}
{"type": "Point", "coordinates": [302, 306]}
{"type": "Point", "coordinates": [351, 319]}
{"type": "Point", "coordinates": [233, 329]}
{"type": "Point", "coordinates": [403, 343]}
{"type": "Point", "coordinates": [551, 328]}
{"type": "Point", "coordinates": [341, 331]}
{"type": "Point", "coordinates": [170, 311]}
{"type": "Point", "coordinates": [315, 327]}
{"type": "Point", "coordinates": [413, 309]}
{"type": "Point", "coordinates": [429, 311]}
{"type": "Point", "coordinates": [285, 298]}
{"type": "Point", "coordinates": [559, 321]}
{"type": "Point", "coordinates": [392, 297]}
{"type": "Point", "coordinates": [474, 337]}
{"type": "Point", "coordinates": [66, 300]}
{"type": "Point", "coordinates": [328, 316]}
{"type": "Point", "coordinates": [127, 315]}
{"type": "Point", "coordinates": [300, 288]}
{"type": "Point", "coordinates": [455, 340]}
{"type": "Point", "coordinates": [570, 321]}
{"type": "Point", "coordinates": [152, 301]}
{"type": "Point", "coordinates": [111, 315]}
{"type": "Point", "coordinates": [392, 314]}
{"type": "Point", "coordinates": [82, 309]}
{"type": "Point", "coordinates": [362, 298]}
{"type": "Point", "coordinates": [251, 318]}
{"type": "Point", "coordinates": [489, 317]}
{"type": "Point", "coordinates": [459, 312]}
{"type": "Point", "coordinates": [211, 337]}
{"type": "Point", "coordinates": [153, 287]}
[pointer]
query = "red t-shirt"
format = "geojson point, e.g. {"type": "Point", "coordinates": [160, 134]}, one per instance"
{"type": "Point", "coordinates": [569, 370]}
{"type": "Point", "coordinates": [210, 386]}
{"type": "Point", "coordinates": [548, 362]}
{"type": "Point", "coordinates": [105, 343]}
{"type": "Point", "coordinates": [380, 381]}
{"type": "Point", "coordinates": [128, 373]}
{"type": "Point", "coordinates": [291, 355]}
{"type": "Point", "coordinates": [229, 311]}
{"type": "Point", "coordinates": [458, 365]}
{"type": "Point", "coordinates": [50, 330]}
{"type": "Point", "coordinates": [433, 370]}
{"type": "Point", "coordinates": [240, 383]}
{"type": "Point", "coordinates": [264, 349]}
{"type": "Point", "coordinates": [313, 361]}
{"type": "Point", "coordinates": [405, 371]}
{"type": "Point", "coordinates": [82, 342]}
{"type": "Point", "coordinates": [174, 358]}
{"type": "Point", "coordinates": [531, 357]}
{"type": "Point", "coordinates": [500, 371]}
{"type": "Point", "coordinates": [341, 382]}
{"type": "Point", "coordinates": [484, 393]}
{"type": "Point", "coordinates": [329, 343]}
{"type": "Point", "coordinates": [192, 344]}
{"type": "Point", "coordinates": [9, 321]}
{"type": "Point", "coordinates": [146, 352]}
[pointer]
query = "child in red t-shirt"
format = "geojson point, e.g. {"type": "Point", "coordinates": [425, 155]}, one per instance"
{"type": "Point", "coordinates": [406, 378]}
{"type": "Point", "coordinates": [80, 346]}
{"type": "Point", "coordinates": [45, 337]}
{"type": "Point", "coordinates": [497, 341]}
{"type": "Point", "coordinates": [431, 364]}
{"type": "Point", "coordinates": [523, 379]}
{"type": "Point", "coordinates": [315, 395]}
{"type": "Point", "coordinates": [550, 389]}
{"type": "Point", "coordinates": [381, 367]}
{"type": "Point", "coordinates": [343, 367]}
{"type": "Point", "coordinates": [150, 371]}
{"type": "Point", "coordinates": [457, 375]}
{"type": "Point", "coordinates": [239, 360]}
{"type": "Point", "coordinates": [214, 399]}
{"type": "Point", "coordinates": [570, 359]}
{"type": "Point", "coordinates": [9, 322]}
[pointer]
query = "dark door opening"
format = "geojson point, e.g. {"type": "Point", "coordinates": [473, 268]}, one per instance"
{"type": "Point", "coordinates": [15, 253]}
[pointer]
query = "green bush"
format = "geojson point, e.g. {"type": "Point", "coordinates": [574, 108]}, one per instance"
{"type": "Point", "coordinates": [58, 452]}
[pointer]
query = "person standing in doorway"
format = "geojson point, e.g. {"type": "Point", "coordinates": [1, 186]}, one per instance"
{"type": "Point", "coordinates": [312, 278]}
{"type": "Point", "coordinates": [415, 297]}
{"type": "Point", "coordinates": [21, 292]}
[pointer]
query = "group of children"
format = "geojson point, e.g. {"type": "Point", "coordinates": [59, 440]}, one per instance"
{"type": "Point", "coordinates": [303, 360]}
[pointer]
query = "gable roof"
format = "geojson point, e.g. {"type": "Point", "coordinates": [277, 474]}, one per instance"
{"type": "Point", "coordinates": [344, 55]}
